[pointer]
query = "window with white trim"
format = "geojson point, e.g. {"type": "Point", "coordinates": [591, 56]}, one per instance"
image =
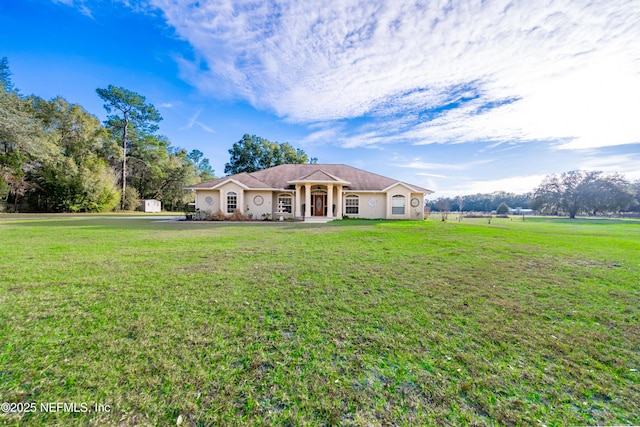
{"type": "Point", "coordinates": [398, 203]}
{"type": "Point", "coordinates": [285, 203]}
{"type": "Point", "coordinates": [232, 202]}
{"type": "Point", "coordinates": [352, 205]}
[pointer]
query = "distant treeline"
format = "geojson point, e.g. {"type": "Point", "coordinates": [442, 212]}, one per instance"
{"type": "Point", "coordinates": [570, 193]}
{"type": "Point", "coordinates": [480, 202]}
{"type": "Point", "coordinates": [58, 157]}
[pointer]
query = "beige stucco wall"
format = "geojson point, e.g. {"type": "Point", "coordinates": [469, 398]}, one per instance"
{"type": "Point", "coordinates": [410, 212]}
{"type": "Point", "coordinates": [382, 206]}
{"type": "Point", "coordinates": [366, 210]}
{"type": "Point", "coordinates": [258, 203]}
{"type": "Point", "coordinates": [417, 212]}
{"type": "Point", "coordinates": [227, 188]}
{"type": "Point", "coordinates": [201, 201]}
{"type": "Point", "coordinates": [248, 202]}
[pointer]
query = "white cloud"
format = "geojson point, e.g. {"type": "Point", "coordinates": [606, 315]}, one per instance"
{"type": "Point", "coordinates": [320, 136]}
{"type": "Point", "coordinates": [516, 184]}
{"type": "Point", "coordinates": [569, 71]}
{"type": "Point", "coordinates": [626, 164]}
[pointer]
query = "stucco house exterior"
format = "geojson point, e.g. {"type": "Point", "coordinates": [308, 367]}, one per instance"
{"type": "Point", "coordinates": [312, 191]}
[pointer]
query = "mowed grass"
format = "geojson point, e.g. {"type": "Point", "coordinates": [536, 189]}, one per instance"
{"type": "Point", "coordinates": [353, 323]}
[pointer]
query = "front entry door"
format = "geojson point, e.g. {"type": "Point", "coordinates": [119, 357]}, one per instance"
{"type": "Point", "coordinates": [318, 205]}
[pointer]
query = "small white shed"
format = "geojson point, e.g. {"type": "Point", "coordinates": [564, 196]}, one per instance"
{"type": "Point", "coordinates": [150, 205]}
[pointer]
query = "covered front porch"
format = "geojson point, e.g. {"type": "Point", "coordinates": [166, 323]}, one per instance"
{"type": "Point", "coordinates": [319, 196]}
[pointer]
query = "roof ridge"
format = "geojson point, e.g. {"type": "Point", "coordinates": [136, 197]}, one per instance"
{"type": "Point", "coordinates": [255, 177]}
{"type": "Point", "coordinates": [317, 170]}
{"type": "Point", "coordinates": [281, 176]}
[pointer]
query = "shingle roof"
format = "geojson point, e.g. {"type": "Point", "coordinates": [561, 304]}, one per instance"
{"type": "Point", "coordinates": [278, 177]}
{"type": "Point", "coordinates": [246, 179]}
{"type": "Point", "coordinates": [318, 175]}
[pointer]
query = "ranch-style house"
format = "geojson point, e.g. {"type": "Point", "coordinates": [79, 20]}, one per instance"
{"type": "Point", "coordinates": [312, 192]}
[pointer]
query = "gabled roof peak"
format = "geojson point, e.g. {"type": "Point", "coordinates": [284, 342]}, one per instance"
{"type": "Point", "coordinates": [319, 175]}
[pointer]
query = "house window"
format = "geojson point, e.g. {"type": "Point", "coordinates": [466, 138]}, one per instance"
{"type": "Point", "coordinates": [351, 205]}
{"type": "Point", "coordinates": [232, 202]}
{"type": "Point", "coordinates": [285, 203]}
{"type": "Point", "coordinates": [397, 204]}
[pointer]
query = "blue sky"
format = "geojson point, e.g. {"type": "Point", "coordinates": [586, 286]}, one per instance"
{"type": "Point", "coordinates": [456, 96]}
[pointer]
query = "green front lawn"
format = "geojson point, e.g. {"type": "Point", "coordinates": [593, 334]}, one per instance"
{"type": "Point", "coordinates": [350, 323]}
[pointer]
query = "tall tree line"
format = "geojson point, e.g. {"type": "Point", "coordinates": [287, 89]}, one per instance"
{"type": "Point", "coordinates": [57, 157]}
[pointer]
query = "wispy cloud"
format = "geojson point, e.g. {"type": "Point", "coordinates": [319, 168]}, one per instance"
{"type": "Point", "coordinates": [516, 184]}
{"type": "Point", "coordinates": [430, 175]}
{"type": "Point", "coordinates": [497, 70]}
{"type": "Point", "coordinates": [78, 4]}
{"type": "Point", "coordinates": [626, 164]}
{"type": "Point", "coordinates": [419, 164]}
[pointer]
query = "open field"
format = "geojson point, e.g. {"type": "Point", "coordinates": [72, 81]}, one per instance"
{"type": "Point", "coordinates": [351, 323]}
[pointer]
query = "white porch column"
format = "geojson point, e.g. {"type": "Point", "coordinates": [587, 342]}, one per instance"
{"type": "Point", "coordinates": [298, 196]}
{"type": "Point", "coordinates": [330, 200]}
{"type": "Point", "coordinates": [339, 202]}
{"type": "Point", "coordinates": [307, 200]}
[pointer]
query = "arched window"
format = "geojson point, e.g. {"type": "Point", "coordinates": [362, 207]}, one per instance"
{"type": "Point", "coordinates": [352, 205]}
{"type": "Point", "coordinates": [285, 203]}
{"type": "Point", "coordinates": [397, 204]}
{"type": "Point", "coordinates": [232, 202]}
